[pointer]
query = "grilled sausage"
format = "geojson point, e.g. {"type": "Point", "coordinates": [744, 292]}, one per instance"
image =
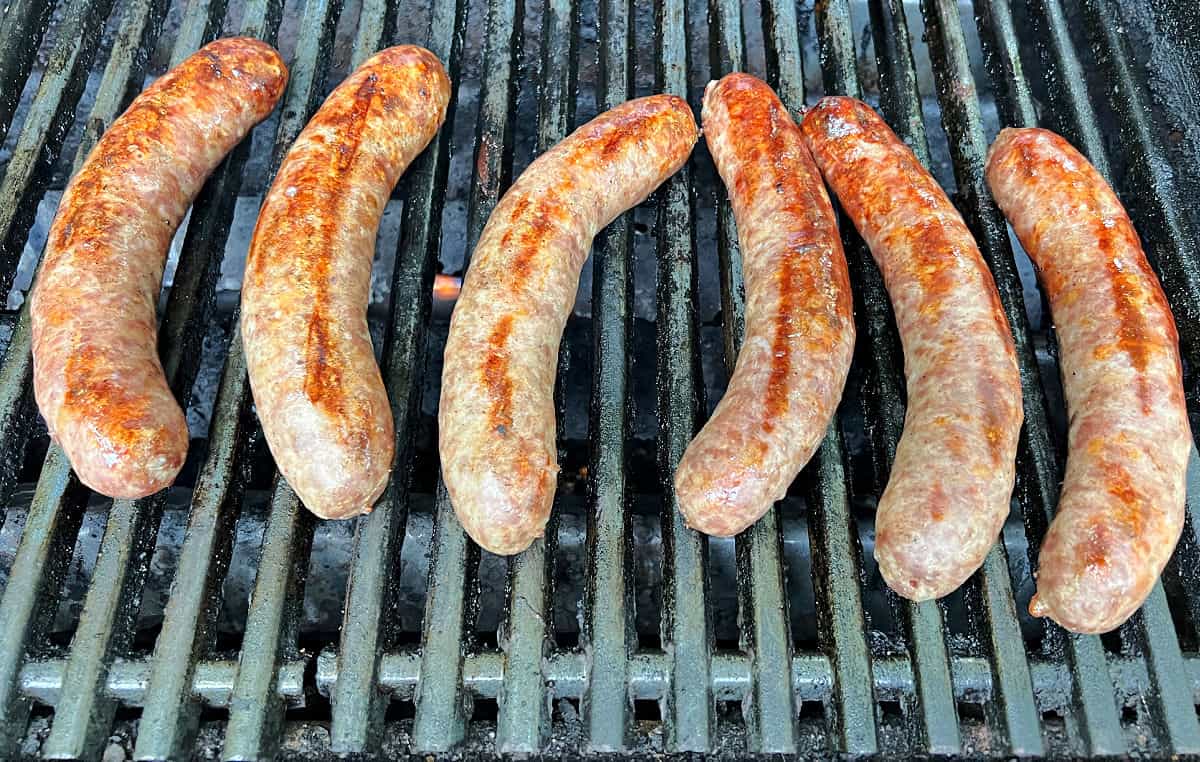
{"type": "Point", "coordinates": [952, 478]}
{"type": "Point", "coordinates": [799, 336]}
{"type": "Point", "coordinates": [1122, 505]}
{"type": "Point", "coordinates": [316, 385]}
{"type": "Point", "coordinates": [97, 378]}
{"type": "Point", "coordinates": [496, 420]}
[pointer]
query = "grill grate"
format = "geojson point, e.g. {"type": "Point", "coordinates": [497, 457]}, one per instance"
{"type": "Point", "coordinates": [895, 678]}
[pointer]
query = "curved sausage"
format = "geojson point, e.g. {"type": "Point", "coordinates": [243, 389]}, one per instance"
{"type": "Point", "coordinates": [496, 419]}
{"type": "Point", "coordinates": [952, 478]}
{"type": "Point", "coordinates": [1122, 505]}
{"type": "Point", "coordinates": [97, 376]}
{"type": "Point", "coordinates": [312, 369]}
{"type": "Point", "coordinates": [799, 338]}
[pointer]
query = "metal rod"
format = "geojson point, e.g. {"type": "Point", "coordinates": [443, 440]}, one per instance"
{"type": "Point", "coordinates": [688, 706]}
{"type": "Point", "coordinates": [769, 715]}
{"type": "Point", "coordinates": [523, 721]}
{"type": "Point", "coordinates": [51, 114]}
{"type": "Point", "coordinates": [608, 630]}
{"type": "Point", "coordinates": [963, 122]}
{"type": "Point", "coordinates": [367, 630]}
{"type": "Point", "coordinates": [21, 30]}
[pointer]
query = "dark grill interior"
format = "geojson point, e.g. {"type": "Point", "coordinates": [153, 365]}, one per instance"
{"type": "Point", "coordinates": [219, 619]}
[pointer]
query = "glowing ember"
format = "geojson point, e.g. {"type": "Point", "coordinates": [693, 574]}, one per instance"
{"type": "Point", "coordinates": [446, 287]}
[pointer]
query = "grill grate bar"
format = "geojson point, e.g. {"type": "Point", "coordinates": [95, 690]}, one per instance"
{"type": "Point", "coordinates": [255, 709]}
{"type": "Point", "coordinates": [963, 123]}
{"type": "Point", "coordinates": [201, 23]}
{"type": "Point", "coordinates": [833, 533]}
{"type": "Point", "coordinates": [523, 721]}
{"type": "Point", "coordinates": [358, 708]}
{"type": "Point", "coordinates": [50, 117]}
{"type": "Point", "coordinates": [769, 715]}
{"type": "Point", "coordinates": [21, 32]}
{"type": "Point", "coordinates": [783, 58]}
{"type": "Point", "coordinates": [130, 683]}
{"type": "Point", "coordinates": [608, 631]}
{"type": "Point", "coordinates": [686, 627]}
{"type": "Point", "coordinates": [169, 719]}
{"type": "Point", "coordinates": [727, 56]}
{"type": "Point", "coordinates": [901, 106]}
{"type": "Point", "coordinates": [494, 134]}
{"type": "Point", "coordinates": [1002, 52]}
{"type": "Point", "coordinates": [483, 674]}
{"type": "Point", "coordinates": [256, 713]}
{"type": "Point", "coordinates": [28, 604]}
{"type": "Point", "coordinates": [439, 722]}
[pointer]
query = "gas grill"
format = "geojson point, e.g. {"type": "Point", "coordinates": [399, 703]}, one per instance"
{"type": "Point", "coordinates": [218, 619]}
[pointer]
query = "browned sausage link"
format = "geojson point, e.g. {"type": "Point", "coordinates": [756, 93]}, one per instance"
{"type": "Point", "coordinates": [799, 337]}
{"type": "Point", "coordinates": [1122, 505]}
{"type": "Point", "coordinates": [312, 369]}
{"type": "Point", "coordinates": [952, 478]}
{"type": "Point", "coordinates": [496, 420]}
{"type": "Point", "coordinates": [97, 375]}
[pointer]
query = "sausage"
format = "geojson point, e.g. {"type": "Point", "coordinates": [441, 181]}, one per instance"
{"type": "Point", "coordinates": [1122, 506]}
{"type": "Point", "coordinates": [799, 336]}
{"type": "Point", "coordinates": [313, 375]}
{"type": "Point", "coordinates": [496, 418]}
{"type": "Point", "coordinates": [97, 376]}
{"type": "Point", "coordinates": [952, 478]}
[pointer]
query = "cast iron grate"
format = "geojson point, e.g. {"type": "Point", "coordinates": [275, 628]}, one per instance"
{"type": "Point", "coordinates": [622, 631]}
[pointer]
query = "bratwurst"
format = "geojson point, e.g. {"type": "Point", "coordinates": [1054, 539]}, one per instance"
{"type": "Point", "coordinates": [97, 376]}
{"type": "Point", "coordinates": [1122, 505]}
{"type": "Point", "coordinates": [496, 419]}
{"type": "Point", "coordinates": [952, 478]}
{"type": "Point", "coordinates": [799, 337]}
{"type": "Point", "coordinates": [312, 369]}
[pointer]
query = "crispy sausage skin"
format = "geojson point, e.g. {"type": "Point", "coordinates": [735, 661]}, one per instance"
{"type": "Point", "coordinates": [316, 385]}
{"type": "Point", "coordinates": [496, 420]}
{"type": "Point", "coordinates": [952, 478]}
{"type": "Point", "coordinates": [1122, 505]}
{"type": "Point", "coordinates": [799, 337]}
{"type": "Point", "coordinates": [97, 378]}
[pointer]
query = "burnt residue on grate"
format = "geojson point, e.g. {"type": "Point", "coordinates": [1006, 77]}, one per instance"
{"type": "Point", "coordinates": [218, 620]}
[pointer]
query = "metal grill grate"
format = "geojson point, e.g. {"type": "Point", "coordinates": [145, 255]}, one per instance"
{"type": "Point", "coordinates": [965, 676]}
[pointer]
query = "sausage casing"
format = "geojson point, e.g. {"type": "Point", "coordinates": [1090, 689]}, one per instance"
{"type": "Point", "coordinates": [97, 376]}
{"type": "Point", "coordinates": [799, 337]}
{"type": "Point", "coordinates": [1122, 505]}
{"type": "Point", "coordinates": [496, 419]}
{"type": "Point", "coordinates": [312, 369]}
{"type": "Point", "coordinates": [952, 477]}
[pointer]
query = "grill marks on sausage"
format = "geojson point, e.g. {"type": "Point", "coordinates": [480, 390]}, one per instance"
{"type": "Point", "coordinates": [1134, 336]}
{"type": "Point", "coordinates": [495, 376]}
{"type": "Point", "coordinates": [323, 363]}
{"type": "Point", "coordinates": [91, 387]}
{"type": "Point", "coordinates": [794, 277]}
